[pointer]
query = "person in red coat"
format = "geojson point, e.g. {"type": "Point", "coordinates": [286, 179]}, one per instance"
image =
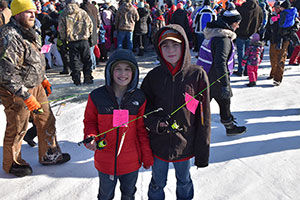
{"type": "Point", "coordinates": [120, 152]}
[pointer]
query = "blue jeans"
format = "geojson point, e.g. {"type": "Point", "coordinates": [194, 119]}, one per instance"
{"type": "Point", "coordinates": [241, 45]}
{"type": "Point", "coordinates": [184, 185]}
{"type": "Point", "coordinates": [127, 185]}
{"type": "Point", "coordinates": [93, 57]}
{"type": "Point", "coordinates": [127, 36]}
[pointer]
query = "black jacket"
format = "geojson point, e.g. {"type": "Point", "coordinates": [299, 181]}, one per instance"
{"type": "Point", "coordinates": [252, 17]}
{"type": "Point", "coordinates": [221, 49]}
{"type": "Point", "coordinates": [165, 91]}
{"type": "Point", "coordinates": [180, 17]}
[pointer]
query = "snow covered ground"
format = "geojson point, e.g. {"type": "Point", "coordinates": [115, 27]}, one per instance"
{"type": "Point", "coordinates": [262, 164]}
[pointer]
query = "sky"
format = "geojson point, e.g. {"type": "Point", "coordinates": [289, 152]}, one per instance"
{"type": "Point", "coordinates": [261, 164]}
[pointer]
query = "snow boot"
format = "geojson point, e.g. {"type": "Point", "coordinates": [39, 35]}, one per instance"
{"type": "Point", "coordinates": [55, 158]}
{"type": "Point", "coordinates": [20, 170]}
{"type": "Point", "coordinates": [251, 84]}
{"type": "Point", "coordinates": [235, 130]}
{"type": "Point", "coordinates": [231, 128]}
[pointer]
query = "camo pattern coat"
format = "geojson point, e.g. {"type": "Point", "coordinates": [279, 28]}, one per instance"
{"type": "Point", "coordinates": [22, 65]}
{"type": "Point", "coordinates": [74, 24]}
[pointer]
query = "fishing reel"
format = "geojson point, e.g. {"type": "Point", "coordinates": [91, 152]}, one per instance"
{"type": "Point", "coordinates": [100, 144]}
{"type": "Point", "coordinates": [172, 126]}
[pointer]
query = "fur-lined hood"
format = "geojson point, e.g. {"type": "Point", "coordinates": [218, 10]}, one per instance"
{"type": "Point", "coordinates": [219, 29]}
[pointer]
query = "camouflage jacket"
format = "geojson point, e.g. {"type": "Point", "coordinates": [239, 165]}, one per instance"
{"type": "Point", "coordinates": [126, 17]}
{"type": "Point", "coordinates": [74, 24]}
{"type": "Point", "coordinates": [22, 65]}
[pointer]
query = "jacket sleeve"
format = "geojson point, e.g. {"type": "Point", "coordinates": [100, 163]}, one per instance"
{"type": "Point", "coordinates": [62, 27]}
{"type": "Point", "coordinates": [203, 125]}
{"type": "Point", "coordinates": [151, 122]}
{"type": "Point", "coordinates": [221, 48]}
{"type": "Point", "coordinates": [90, 119]}
{"type": "Point", "coordinates": [12, 53]}
{"type": "Point", "coordinates": [143, 138]}
{"type": "Point", "coordinates": [245, 57]}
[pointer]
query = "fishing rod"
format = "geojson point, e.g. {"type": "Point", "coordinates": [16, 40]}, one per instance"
{"type": "Point", "coordinates": [89, 139]}
{"type": "Point", "coordinates": [173, 126]}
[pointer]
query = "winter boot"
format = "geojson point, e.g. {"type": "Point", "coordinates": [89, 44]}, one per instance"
{"type": "Point", "coordinates": [76, 78]}
{"type": "Point", "coordinates": [20, 170]}
{"type": "Point", "coordinates": [251, 84]}
{"type": "Point", "coordinates": [232, 129]}
{"type": "Point", "coordinates": [55, 158]}
{"type": "Point", "coordinates": [88, 79]}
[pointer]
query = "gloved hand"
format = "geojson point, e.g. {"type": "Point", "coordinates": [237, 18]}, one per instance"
{"type": "Point", "coordinates": [225, 92]}
{"type": "Point", "coordinates": [32, 104]}
{"type": "Point", "coordinates": [47, 86]}
{"type": "Point", "coordinates": [148, 163]}
{"type": "Point", "coordinates": [162, 126]}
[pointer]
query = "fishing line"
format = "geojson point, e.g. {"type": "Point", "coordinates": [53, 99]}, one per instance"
{"type": "Point", "coordinates": [89, 139]}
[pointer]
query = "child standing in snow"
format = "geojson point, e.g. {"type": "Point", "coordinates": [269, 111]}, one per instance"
{"type": "Point", "coordinates": [167, 86]}
{"type": "Point", "coordinates": [120, 152]}
{"type": "Point", "coordinates": [253, 57]}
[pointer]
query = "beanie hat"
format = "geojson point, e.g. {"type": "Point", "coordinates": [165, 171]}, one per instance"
{"type": "Point", "coordinates": [231, 16]}
{"type": "Point", "coordinates": [206, 2]}
{"type": "Point", "coordinates": [170, 35]}
{"type": "Point", "coordinates": [255, 37]}
{"type": "Point", "coordinates": [286, 4]}
{"type": "Point", "coordinates": [18, 6]}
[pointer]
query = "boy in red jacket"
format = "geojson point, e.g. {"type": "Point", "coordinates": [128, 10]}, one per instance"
{"type": "Point", "coordinates": [118, 153]}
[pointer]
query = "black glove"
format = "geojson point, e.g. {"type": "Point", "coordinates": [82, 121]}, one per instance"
{"type": "Point", "coordinates": [225, 92]}
{"type": "Point", "coordinates": [162, 129]}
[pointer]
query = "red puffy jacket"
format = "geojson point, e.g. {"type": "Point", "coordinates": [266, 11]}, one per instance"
{"type": "Point", "coordinates": [99, 118]}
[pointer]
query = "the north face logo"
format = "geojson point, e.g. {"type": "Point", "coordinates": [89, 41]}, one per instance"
{"type": "Point", "coordinates": [136, 103]}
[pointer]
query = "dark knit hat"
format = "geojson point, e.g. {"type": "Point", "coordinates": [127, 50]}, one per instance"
{"type": "Point", "coordinates": [206, 2]}
{"type": "Point", "coordinates": [286, 4]}
{"type": "Point", "coordinates": [231, 16]}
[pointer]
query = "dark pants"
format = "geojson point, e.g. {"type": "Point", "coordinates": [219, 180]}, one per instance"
{"type": "Point", "coordinates": [64, 52]}
{"type": "Point", "coordinates": [80, 59]}
{"type": "Point", "coordinates": [224, 106]}
{"type": "Point", "coordinates": [108, 185]}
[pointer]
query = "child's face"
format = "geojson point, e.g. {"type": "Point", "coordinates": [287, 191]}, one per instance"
{"type": "Point", "coordinates": [122, 74]}
{"type": "Point", "coordinates": [171, 51]}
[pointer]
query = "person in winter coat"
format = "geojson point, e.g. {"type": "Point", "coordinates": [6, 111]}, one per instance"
{"type": "Point", "coordinates": [253, 57]}
{"type": "Point", "coordinates": [252, 18]}
{"type": "Point", "coordinates": [5, 13]}
{"type": "Point", "coordinates": [127, 147]}
{"type": "Point", "coordinates": [22, 91]}
{"type": "Point", "coordinates": [204, 14]}
{"type": "Point", "coordinates": [141, 27]}
{"type": "Point", "coordinates": [93, 13]}
{"type": "Point", "coordinates": [75, 27]}
{"type": "Point", "coordinates": [287, 20]}
{"type": "Point", "coordinates": [125, 20]}
{"type": "Point", "coordinates": [180, 17]}
{"type": "Point", "coordinates": [216, 56]}
{"type": "Point", "coordinates": [176, 138]}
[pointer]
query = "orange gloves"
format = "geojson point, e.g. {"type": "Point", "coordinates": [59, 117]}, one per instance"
{"type": "Point", "coordinates": [32, 103]}
{"type": "Point", "coordinates": [47, 86]}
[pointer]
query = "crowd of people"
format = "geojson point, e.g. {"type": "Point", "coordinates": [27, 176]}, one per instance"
{"type": "Point", "coordinates": [40, 34]}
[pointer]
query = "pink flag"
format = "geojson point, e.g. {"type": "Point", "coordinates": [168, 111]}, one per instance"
{"type": "Point", "coordinates": [191, 103]}
{"type": "Point", "coordinates": [120, 117]}
{"type": "Point", "coordinates": [46, 48]}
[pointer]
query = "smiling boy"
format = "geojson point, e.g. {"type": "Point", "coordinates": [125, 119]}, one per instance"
{"type": "Point", "coordinates": [126, 147]}
{"type": "Point", "coordinates": [166, 87]}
